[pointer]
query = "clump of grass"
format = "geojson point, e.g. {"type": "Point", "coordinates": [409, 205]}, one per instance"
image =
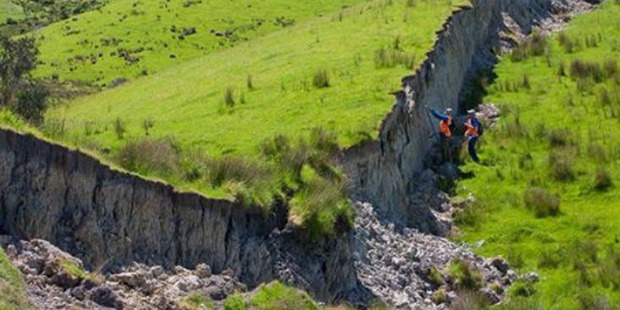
{"type": "Point", "coordinates": [535, 45]}
{"type": "Point", "coordinates": [440, 296]}
{"type": "Point", "coordinates": [560, 137]}
{"type": "Point", "coordinates": [321, 79]}
{"type": "Point", "coordinates": [602, 180]}
{"type": "Point", "coordinates": [276, 296]}
{"type": "Point", "coordinates": [386, 58]}
{"type": "Point", "coordinates": [467, 300]}
{"type": "Point", "coordinates": [561, 165]}
{"type": "Point", "coordinates": [150, 155]}
{"type": "Point", "coordinates": [229, 97]}
{"type": "Point", "coordinates": [119, 128]}
{"type": "Point", "coordinates": [235, 302]}
{"type": "Point", "coordinates": [465, 276]}
{"type": "Point", "coordinates": [522, 288]}
{"type": "Point", "coordinates": [435, 277]}
{"type": "Point", "coordinates": [586, 69]}
{"type": "Point", "coordinates": [249, 82]}
{"type": "Point", "coordinates": [542, 202]}
{"type": "Point", "coordinates": [147, 124]}
{"type": "Point", "coordinates": [196, 301]}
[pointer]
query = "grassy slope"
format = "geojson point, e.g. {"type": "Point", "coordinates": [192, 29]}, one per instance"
{"type": "Point", "coordinates": [12, 295]}
{"type": "Point", "coordinates": [9, 10]}
{"type": "Point", "coordinates": [588, 216]}
{"type": "Point", "coordinates": [186, 101]}
{"type": "Point", "coordinates": [147, 24]}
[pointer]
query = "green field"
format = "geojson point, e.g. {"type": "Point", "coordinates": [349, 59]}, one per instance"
{"type": "Point", "coordinates": [10, 10]}
{"type": "Point", "coordinates": [129, 38]}
{"type": "Point", "coordinates": [12, 292]}
{"type": "Point", "coordinates": [364, 50]}
{"type": "Point", "coordinates": [560, 132]}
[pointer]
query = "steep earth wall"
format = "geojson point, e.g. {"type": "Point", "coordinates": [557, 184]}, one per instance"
{"type": "Point", "coordinates": [384, 171]}
{"type": "Point", "coordinates": [111, 218]}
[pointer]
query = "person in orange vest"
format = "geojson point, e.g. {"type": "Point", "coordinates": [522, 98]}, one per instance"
{"type": "Point", "coordinates": [446, 125]}
{"type": "Point", "coordinates": [473, 130]}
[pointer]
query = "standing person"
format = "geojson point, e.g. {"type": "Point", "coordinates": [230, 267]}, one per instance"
{"type": "Point", "coordinates": [445, 131]}
{"type": "Point", "coordinates": [473, 129]}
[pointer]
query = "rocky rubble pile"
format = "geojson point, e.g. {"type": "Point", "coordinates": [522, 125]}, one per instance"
{"type": "Point", "coordinates": [56, 280]}
{"type": "Point", "coordinates": [411, 270]}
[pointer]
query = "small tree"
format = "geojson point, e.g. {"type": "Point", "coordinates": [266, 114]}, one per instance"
{"type": "Point", "coordinates": [17, 59]}
{"type": "Point", "coordinates": [19, 91]}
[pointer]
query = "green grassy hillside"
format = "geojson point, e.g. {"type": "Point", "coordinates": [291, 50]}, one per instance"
{"type": "Point", "coordinates": [229, 102]}
{"type": "Point", "coordinates": [9, 10]}
{"type": "Point", "coordinates": [12, 292]}
{"type": "Point", "coordinates": [129, 38]}
{"type": "Point", "coordinates": [557, 144]}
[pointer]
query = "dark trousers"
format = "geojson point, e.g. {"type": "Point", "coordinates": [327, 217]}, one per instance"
{"type": "Point", "coordinates": [471, 148]}
{"type": "Point", "coordinates": [445, 143]}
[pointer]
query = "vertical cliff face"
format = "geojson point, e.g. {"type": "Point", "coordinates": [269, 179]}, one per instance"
{"type": "Point", "coordinates": [384, 171]}
{"type": "Point", "coordinates": [111, 218]}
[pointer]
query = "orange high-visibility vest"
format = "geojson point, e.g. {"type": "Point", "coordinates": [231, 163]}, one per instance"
{"type": "Point", "coordinates": [471, 129]}
{"type": "Point", "coordinates": [444, 127]}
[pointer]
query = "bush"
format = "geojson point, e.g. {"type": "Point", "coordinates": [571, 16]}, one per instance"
{"type": "Point", "coordinates": [31, 103]}
{"type": "Point", "coordinates": [542, 202]}
{"type": "Point", "coordinates": [602, 180]}
{"type": "Point", "coordinates": [465, 276]}
{"type": "Point", "coordinates": [321, 79]}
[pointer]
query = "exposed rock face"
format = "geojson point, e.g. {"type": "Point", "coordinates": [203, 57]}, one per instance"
{"type": "Point", "coordinates": [384, 171]}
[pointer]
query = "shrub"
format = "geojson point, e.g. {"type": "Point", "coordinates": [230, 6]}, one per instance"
{"type": "Point", "coordinates": [465, 276]}
{"type": "Point", "coordinates": [145, 155]}
{"type": "Point", "coordinates": [231, 168]}
{"type": "Point", "coordinates": [321, 79]}
{"type": "Point", "coordinates": [561, 165]}
{"type": "Point", "coordinates": [602, 180]}
{"type": "Point", "coordinates": [31, 103]}
{"type": "Point", "coordinates": [542, 202]}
